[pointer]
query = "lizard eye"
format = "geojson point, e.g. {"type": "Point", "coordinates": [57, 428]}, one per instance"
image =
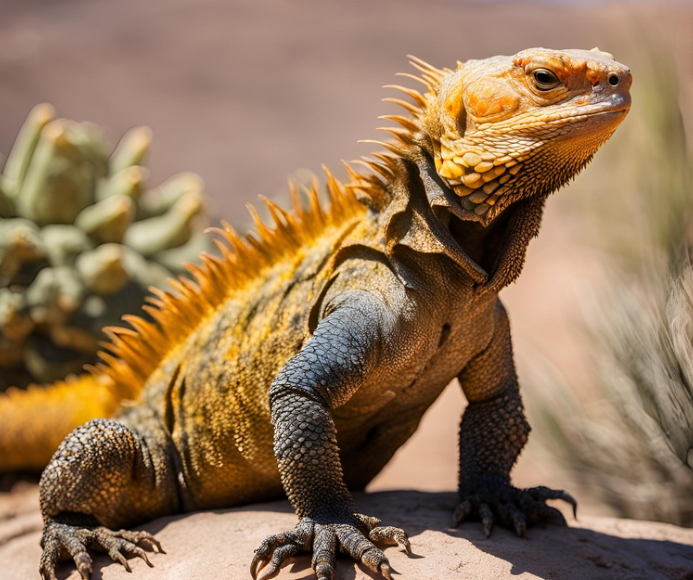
{"type": "Point", "coordinates": [544, 79]}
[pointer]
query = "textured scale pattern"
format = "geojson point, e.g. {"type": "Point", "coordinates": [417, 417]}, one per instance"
{"type": "Point", "coordinates": [306, 356]}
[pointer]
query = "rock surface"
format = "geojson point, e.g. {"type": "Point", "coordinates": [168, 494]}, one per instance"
{"type": "Point", "coordinates": [219, 544]}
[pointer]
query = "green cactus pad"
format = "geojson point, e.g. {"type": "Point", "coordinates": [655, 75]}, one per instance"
{"type": "Point", "coordinates": [81, 240]}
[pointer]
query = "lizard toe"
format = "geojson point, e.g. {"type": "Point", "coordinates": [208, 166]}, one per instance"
{"type": "Point", "coordinates": [390, 535]}
{"type": "Point", "coordinates": [116, 545]}
{"type": "Point", "coordinates": [47, 571]}
{"type": "Point", "coordinates": [325, 571]}
{"type": "Point", "coordinates": [462, 512]}
{"type": "Point", "coordinates": [49, 558]}
{"type": "Point", "coordinates": [511, 516]}
{"type": "Point", "coordinates": [141, 537]}
{"type": "Point", "coordinates": [116, 556]}
{"type": "Point", "coordinates": [280, 556]}
{"type": "Point", "coordinates": [493, 501]}
{"type": "Point", "coordinates": [355, 539]}
{"type": "Point", "coordinates": [378, 562]}
{"type": "Point", "coordinates": [276, 549]}
{"type": "Point", "coordinates": [119, 544]}
{"type": "Point", "coordinates": [60, 540]}
{"type": "Point", "coordinates": [325, 552]}
{"type": "Point", "coordinates": [542, 493]}
{"type": "Point", "coordinates": [353, 542]}
{"type": "Point", "coordinates": [487, 519]}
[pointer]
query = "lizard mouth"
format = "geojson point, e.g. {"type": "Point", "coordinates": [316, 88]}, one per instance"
{"type": "Point", "coordinates": [615, 104]}
{"type": "Point", "coordinates": [484, 191]}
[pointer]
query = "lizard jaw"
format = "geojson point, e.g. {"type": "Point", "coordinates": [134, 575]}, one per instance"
{"type": "Point", "coordinates": [617, 104]}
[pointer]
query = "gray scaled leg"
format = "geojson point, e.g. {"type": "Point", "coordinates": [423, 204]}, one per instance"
{"type": "Point", "coordinates": [104, 476]}
{"type": "Point", "coordinates": [493, 432]}
{"type": "Point", "coordinates": [324, 374]}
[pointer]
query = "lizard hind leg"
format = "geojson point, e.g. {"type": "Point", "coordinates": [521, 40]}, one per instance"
{"type": "Point", "coordinates": [104, 475]}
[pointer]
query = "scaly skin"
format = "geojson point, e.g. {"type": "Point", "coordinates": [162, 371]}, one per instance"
{"type": "Point", "coordinates": [310, 372]}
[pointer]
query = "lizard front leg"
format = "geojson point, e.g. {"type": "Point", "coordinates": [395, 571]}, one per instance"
{"type": "Point", "coordinates": [327, 371]}
{"type": "Point", "coordinates": [492, 433]}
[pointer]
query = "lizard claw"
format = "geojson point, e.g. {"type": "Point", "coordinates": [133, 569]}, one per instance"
{"type": "Point", "coordinates": [61, 538]}
{"type": "Point", "coordinates": [542, 493]}
{"type": "Point", "coordinates": [275, 550]}
{"type": "Point", "coordinates": [486, 516]}
{"type": "Point", "coordinates": [385, 570]}
{"type": "Point", "coordinates": [324, 540]}
{"type": "Point", "coordinates": [390, 535]}
{"type": "Point", "coordinates": [493, 501]}
{"type": "Point", "coordinates": [462, 512]}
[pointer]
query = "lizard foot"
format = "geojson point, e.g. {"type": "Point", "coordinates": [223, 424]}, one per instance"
{"type": "Point", "coordinates": [493, 500]}
{"type": "Point", "coordinates": [61, 541]}
{"type": "Point", "coordinates": [355, 539]}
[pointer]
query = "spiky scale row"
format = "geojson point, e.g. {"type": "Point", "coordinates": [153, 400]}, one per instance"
{"type": "Point", "coordinates": [243, 259]}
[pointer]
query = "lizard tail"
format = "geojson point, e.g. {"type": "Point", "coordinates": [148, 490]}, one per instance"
{"type": "Point", "coordinates": [34, 421]}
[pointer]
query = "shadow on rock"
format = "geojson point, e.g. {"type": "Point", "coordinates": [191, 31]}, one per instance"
{"type": "Point", "coordinates": [220, 544]}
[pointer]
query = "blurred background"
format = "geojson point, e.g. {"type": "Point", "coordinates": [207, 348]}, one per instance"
{"type": "Point", "coordinates": [246, 94]}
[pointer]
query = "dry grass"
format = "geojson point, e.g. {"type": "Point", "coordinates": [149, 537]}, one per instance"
{"type": "Point", "coordinates": [630, 443]}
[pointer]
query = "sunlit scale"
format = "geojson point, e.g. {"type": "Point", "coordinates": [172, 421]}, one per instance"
{"type": "Point", "coordinates": [476, 175]}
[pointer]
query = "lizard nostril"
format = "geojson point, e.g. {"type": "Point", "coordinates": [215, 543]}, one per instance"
{"type": "Point", "coordinates": [613, 79]}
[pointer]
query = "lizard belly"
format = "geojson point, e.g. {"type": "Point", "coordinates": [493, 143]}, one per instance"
{"type": "Point", "coordinates": [369, 434]}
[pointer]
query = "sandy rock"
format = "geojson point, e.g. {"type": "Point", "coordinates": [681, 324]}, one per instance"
{"type": "Point", "coordinates": [219, 544]}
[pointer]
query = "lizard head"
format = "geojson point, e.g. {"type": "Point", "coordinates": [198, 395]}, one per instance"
{"type": "Point", "coordinates": [508, 128]}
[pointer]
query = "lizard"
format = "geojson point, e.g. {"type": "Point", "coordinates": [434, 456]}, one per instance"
{"type": "Point", "coordinates": [305, 355]}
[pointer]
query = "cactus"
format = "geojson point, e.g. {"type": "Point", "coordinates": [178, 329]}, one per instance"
{"type": "Point", "coordinates": [81, 240]}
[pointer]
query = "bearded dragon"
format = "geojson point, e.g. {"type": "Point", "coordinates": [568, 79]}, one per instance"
{"type": "Point", "coordinates": [305, 356]}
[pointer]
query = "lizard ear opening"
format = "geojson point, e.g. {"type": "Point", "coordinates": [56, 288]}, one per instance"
{"type": "Point", "coordinates": [454, 106]}
{"type": "Point", "coordinates": [490, 100]}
